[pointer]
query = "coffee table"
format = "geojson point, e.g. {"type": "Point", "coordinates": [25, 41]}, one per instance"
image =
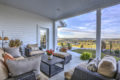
{"type": "Point", "coordinates": [51, 67]}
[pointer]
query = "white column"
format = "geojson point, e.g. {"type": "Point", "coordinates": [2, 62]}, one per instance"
{"type": "Point", "coordinates": [98, 34]}
{"type": "Point", "coordinates": [54, 36]}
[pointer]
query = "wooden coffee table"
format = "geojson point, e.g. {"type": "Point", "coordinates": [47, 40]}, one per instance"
{"type": "Point", "coordinates": [51, 67]}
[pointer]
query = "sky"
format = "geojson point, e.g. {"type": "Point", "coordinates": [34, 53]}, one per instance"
{"type": "Point", "coordinates": [84, 26]}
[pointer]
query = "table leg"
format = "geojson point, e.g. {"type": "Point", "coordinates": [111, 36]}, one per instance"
{"type": "Point", "coordinates": [63, 65]}
{"type": "Point", "coordinates": [49, 71]}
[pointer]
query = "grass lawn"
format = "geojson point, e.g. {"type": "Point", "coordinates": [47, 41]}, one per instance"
{"type": "Point", "coordinates": [93, 53]}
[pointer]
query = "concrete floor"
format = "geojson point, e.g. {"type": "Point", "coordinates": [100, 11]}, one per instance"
{"type": "Point", "coordinates": [74, 62]}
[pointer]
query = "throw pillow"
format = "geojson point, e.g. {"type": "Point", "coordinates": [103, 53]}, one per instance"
{"type": "Point", "coordinates": [8, 56]}
{"type": "Point", "coordinates": [93, 65]}
{"type": "Point", "coordinates": [18, 67]}
{"type": "Point", "coordinates": [13, 51]}
{"type": "Point", "coordinates": [3, 71]}
{"type": "Point", "coordinates": [107, 66]}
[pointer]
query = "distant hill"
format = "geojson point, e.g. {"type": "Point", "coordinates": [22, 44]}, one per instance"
{"type": "Point", "coordinates": [87, 38]}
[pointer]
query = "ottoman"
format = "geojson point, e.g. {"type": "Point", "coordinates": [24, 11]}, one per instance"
{"type": "Point", "coordinates": [66, 56]}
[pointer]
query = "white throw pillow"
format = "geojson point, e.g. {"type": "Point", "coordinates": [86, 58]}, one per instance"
{"type": "Point", "coordinates": [107, 66]}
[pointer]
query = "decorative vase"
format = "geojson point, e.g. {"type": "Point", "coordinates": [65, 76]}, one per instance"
{"type": "Point", "coordinates": [50, 57]}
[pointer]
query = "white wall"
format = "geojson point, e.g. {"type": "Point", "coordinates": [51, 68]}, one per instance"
{"type": "Point", "coordinates": [18, 24]}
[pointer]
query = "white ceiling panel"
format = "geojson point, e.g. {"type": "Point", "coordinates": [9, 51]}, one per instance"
{"type": "Point", "coordinates": [59, 9]}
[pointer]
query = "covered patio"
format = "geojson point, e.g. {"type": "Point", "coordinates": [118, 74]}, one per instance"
{"type": "Point", "coordinates": [24, 20]}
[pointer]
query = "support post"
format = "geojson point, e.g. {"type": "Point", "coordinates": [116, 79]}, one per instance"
{"type": "Point", "coordinates": [54, 36]}
{"type": "Point", "coordinates": [98, 34]}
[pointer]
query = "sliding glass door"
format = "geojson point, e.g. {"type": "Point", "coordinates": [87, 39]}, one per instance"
{"type": "Point", "coordinates": [44, 38]}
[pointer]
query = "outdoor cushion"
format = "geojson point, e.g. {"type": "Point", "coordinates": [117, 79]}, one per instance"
{"type": "Point", "coordinates": [37, 52]}
{"type": "Point", "coordinates": [18, 67]}
{"type": "Point", "coordinates": [42, 77]}
{"type": "Point", "coordinates": [107, 66]}
{"type": "Point", "coordinates": [13, 51]}
{"type": "Point", "coordinates": [3, 71]}
{"type": "Point", "coordinates": [33, 47]}
{"type": "Point", "coordinates": [61, 54]}
{"type": "Point", "coordinates": [68, 75]}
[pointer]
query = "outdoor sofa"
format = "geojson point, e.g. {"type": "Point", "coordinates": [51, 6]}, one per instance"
{"type": "Point", "coordinates": [81, 72]}
{"type": "Point", "coordinates": [4, 72]}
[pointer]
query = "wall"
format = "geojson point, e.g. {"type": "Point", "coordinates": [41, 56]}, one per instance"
{"type": "Point", "coordinates": [19, 24]}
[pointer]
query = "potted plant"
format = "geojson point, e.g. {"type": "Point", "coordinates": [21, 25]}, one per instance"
{"type": "Point", "coordinates": [63, 48]}
{"type": "Point", "coordinates": [50, 53]}
{"type": "Point", "coordinates": [11, 43]}
{"type": "Point", "coordinates": [15, 43]}
{"type": "Point", "coordinates": [69, 46]}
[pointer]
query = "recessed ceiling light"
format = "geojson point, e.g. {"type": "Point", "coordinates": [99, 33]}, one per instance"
{"type": "Point", "coordinates": [58, 9]}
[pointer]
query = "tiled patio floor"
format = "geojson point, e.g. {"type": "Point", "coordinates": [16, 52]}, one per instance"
{"type": "Point", "coordinates": [74, 62]}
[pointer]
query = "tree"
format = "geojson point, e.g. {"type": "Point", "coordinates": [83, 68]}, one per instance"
{"type": "Point", "coordinates": [103, 45]}
{"type": "Point", "coordinates": [110, 47]}
{"type": "Point", "coordinates": [82, 46]}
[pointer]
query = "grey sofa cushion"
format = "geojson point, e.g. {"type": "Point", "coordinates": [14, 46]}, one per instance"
{"type": "Point", "coordinates": [13, 51]}
{"type": "Point", "coordinates": [19, 67]}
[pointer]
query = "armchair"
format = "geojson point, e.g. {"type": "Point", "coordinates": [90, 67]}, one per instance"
{"type": "Point", "coordinates": [33, 49]}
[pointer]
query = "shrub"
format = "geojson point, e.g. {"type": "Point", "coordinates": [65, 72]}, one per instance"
{"type": "Point", "coordinates": [117, 51]}
{"type": "Point", "coordinates": [103, 46]}
{"type": "Point", "coordinates": [81, 46]}
{"type": "Point", "coordinates": [85, 56]}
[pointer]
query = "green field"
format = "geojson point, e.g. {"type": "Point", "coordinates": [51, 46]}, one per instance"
{"type": "Point", "coordinates": [93, 53]}
{"type": "Point", "coordinates": [91, 44]}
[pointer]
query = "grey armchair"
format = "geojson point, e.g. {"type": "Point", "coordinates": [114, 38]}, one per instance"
{"type": "Point", "coordinates": [33, 49]}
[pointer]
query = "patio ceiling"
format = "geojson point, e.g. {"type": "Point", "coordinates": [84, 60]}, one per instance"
{"type": "Point", "coordinates": [59, 9]}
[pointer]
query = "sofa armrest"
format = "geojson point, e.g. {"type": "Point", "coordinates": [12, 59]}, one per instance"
{"type": "Point", "coordinates": [84, 74]}
{"type": "Point", "coordinates": [118, 71]}
{"type": "Point", "coordinates": [26, 76]}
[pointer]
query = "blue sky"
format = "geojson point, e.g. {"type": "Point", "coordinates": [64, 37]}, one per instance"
{"type": "Point", "coordinates": [84, 26]}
